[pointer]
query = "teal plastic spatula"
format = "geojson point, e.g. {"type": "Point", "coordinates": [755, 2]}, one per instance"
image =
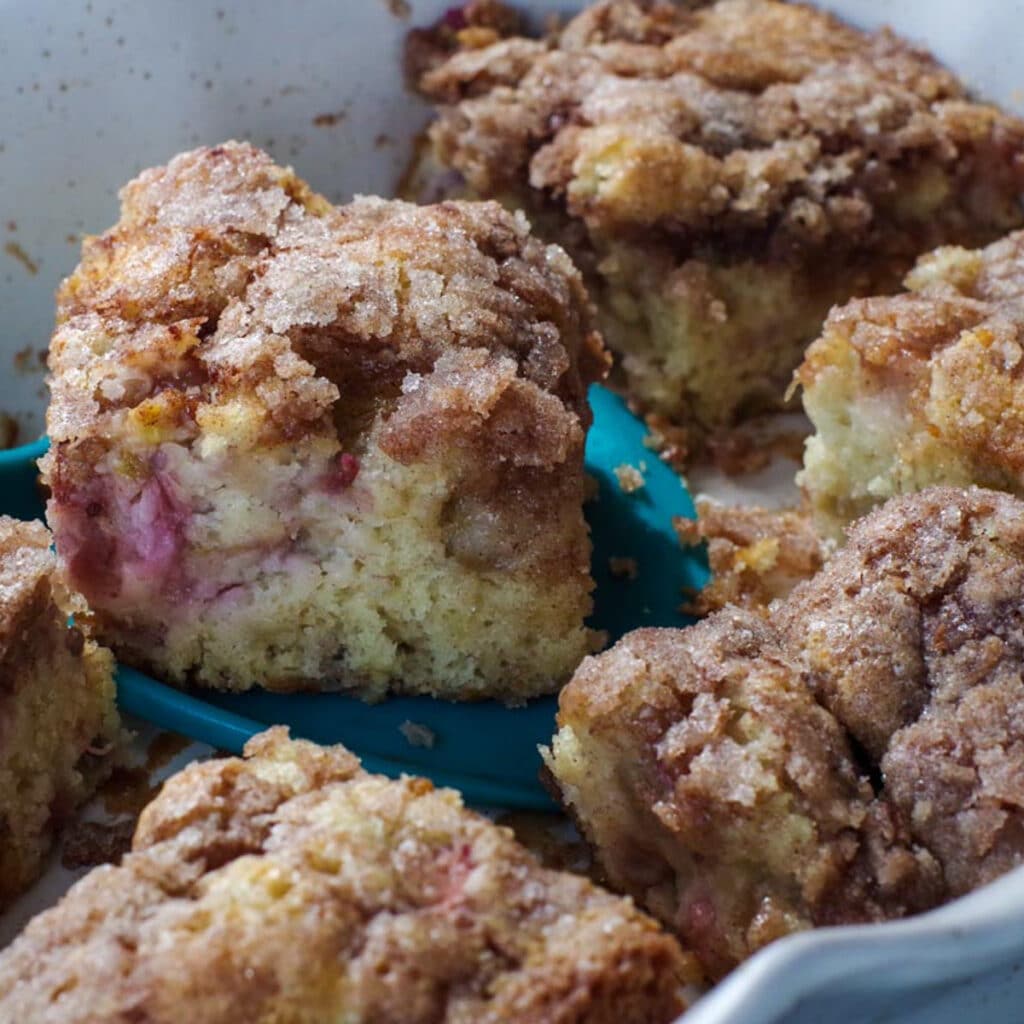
{"type": "Point", "coordinates": [485, 749]}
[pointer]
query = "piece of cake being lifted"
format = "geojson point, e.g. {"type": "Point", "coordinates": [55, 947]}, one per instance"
{"type": "Point", "coordinates": [723, 173]}
{"type": "Point", "coordinates": [292, 886]}
{"type": "Point", "coordinates": [57, 704]}
{"type": "Point", "coordinates": [314, 447]}
{"type": "Point", "coordinates": [920, 388]}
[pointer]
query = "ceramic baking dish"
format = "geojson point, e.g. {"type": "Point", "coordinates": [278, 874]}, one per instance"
{"type": "Point", "coordinates": [91, 93]}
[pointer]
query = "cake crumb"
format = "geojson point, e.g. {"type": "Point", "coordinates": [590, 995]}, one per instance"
{"type": "Point", "coordinates": [756, 555]}
{"type": "Point", "coordinates": [337, 386]}
{"type": "Point", "coordinates": [57, 705]}
{"type": "Point", "coordinates": [670, 441]}
{"type": "Point", "coordinates": [850, 755]}
{"type": "Point", "coordinates": [623, 568]}
{"type": "Point", "coordinates": [629, 477]}
{"type": "Point", "coordinates": [418, 735]}
{"type": "Point", "coordinates": [952, 341]}
{"type": "Point", "coordinates": [329, 120]}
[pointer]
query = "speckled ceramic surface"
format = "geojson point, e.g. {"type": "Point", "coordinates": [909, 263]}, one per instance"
{"type": "Point", "coordinates": [92, 92]}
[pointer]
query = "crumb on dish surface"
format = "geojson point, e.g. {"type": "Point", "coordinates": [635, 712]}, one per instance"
{"type": "Point", "coordinates": [629, 478]}
{"type": "Point", "coordinates": [292, 885]}
{"type": "Point", "coordinates": [756, 555]}
{"type": "Point", "coordinates": [57, 703]}
{"type": "Point", "coordinates": [852, 755]}
{"type": "Point", "coordinates": [919, 388]}
{"type": "Point", "coordinates": [9, 430]}
{"type": "Point", "coordinates": [303, 446]}
{"type": "Point", "coordinates": [722, 173]}
{"type": "Point", "coordinates": [418, 735]}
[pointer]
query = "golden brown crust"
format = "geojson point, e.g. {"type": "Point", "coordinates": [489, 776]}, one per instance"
{"type": "Point", "coordinates": [722, 772]}
{"type": "Point", "coordinates": [748, 818]}
{"type": "Point", "coordinates": [292, 885]}
{"type": "Point", "coordinates": [756, 555]}
{"type": "Point", "coordinates": [475, 25]}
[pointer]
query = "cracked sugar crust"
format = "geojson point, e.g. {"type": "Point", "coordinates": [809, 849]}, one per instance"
{"type": "Point", "coordinates": [292, 885]}
{"type": "Point", "coordinates": [734, 121]}
{"type": "Point", "coordinates": [852, 753]}
{"type": "Point", "coordinates": [227, 274]}
{"type": "Point", "coordinates": [913, 636]}
{"type": "Point", "coordinates": [919, 388]}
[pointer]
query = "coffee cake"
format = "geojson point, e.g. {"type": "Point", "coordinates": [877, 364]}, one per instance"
{"type": "Point", "coordinates": [291, 886]}
{"type": "Point", "coordinates": [852, 755]}
{"type": "Point", "coordinates": [723, 173]}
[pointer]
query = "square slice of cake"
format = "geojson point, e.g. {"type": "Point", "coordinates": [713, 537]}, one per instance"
{"type": "Point", "coordinates": [723, 173]}
{"type": "Point", "coordinates": [308, 447]}
{"type": "Point", "coordinates": [293, 886]}
{"type": "Point", "coordinates": [756, 555]}
{"type": "Point", "coordinates": [851, 753]}
{"type": "Point", "coordinates": [925, 387]}
{"type": "Point", "coordinates": [56, 702]}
